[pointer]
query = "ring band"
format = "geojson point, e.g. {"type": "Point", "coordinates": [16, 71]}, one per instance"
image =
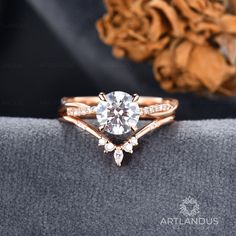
{"type": "Point", "coordinates": [118, 113]}
{"type": "Point", "coordinates": [150, 107]}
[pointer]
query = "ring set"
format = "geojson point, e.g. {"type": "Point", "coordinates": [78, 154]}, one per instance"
{"type": "Point", "coordinates": [118, 115]}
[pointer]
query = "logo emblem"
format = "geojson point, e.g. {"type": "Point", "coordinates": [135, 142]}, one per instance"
{"type": "Point", "coordinates": [189, 207]}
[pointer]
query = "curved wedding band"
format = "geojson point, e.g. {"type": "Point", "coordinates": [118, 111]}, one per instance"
{"type": "Point", "coordinates": [118, 114]}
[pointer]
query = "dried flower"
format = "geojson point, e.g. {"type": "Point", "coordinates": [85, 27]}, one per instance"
{"type": "Point", "coordinates": [192, 44]}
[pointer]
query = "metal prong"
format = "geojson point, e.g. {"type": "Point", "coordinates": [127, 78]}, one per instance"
{"type": "Point", "coordinates": [101, 127]}
{"type": "Point", "coordinates": [102, 96]}
{"type": "Point", "coordinates": [134, 128]}
{"type": "Point", "coordinates": [135, 97]}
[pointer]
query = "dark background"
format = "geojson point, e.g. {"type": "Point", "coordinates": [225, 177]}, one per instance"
{"type": "Point", "coordinates": [50, 49]}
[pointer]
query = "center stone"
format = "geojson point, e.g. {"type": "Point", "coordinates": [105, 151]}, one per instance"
{"type": "Point", "coordinates": [118, 114]}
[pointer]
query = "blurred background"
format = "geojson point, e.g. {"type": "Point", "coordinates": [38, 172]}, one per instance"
{"type": "Point", "coordinates": [51, 49]}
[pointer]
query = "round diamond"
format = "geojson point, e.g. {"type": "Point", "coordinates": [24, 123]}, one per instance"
{"type": "Point", "coordinates": [109, 147]}
{"type": "Point", "coordinates": [118, 113]}
{"type": "Point", "coordinates": [128, 147]}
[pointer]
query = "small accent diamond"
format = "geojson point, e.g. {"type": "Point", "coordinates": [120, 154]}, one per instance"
{"type": "Point", "coordinates": [145, 110]}
{"type": "Point", "coordinates": [151, 110]}
{"type": "Point", "coordinates": [102, 142]}
{"type": "Point", "coordinates": [118, 156]}
{"type": "Point", "coordinates": [128, 147]}
{"type": "Point", "coordinates": [109, 147]}
{"type": "Point", "coordinates": [134, 141]}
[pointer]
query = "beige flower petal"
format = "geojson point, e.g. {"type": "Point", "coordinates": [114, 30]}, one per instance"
{"type": "Point", "coordinates": [140, 53]}
{"type": "Point", "coordinates": [210, 67]}
{"type": "Point", "coordinates": [228, 23]}
{"type": "Point", "coordinates": [227, 44]}
{"type": "Point", "coordinates": [186, 10]}
{"type": "Point", "coordinates": [170, 13]}
{"type": "Point", "coordinates": [180, 36]}
{"type": "Point", "coordinates": [196, 38]}
{"type": "Point", "coordinates": [182, 54]}
{"type": "Point", "coordinates": [208, 8]}
{"type": "Point", "coordinates": [157, 26]}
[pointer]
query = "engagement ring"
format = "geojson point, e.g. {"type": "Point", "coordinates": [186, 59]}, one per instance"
{"type": "Point", "coordinates": [118, 115]}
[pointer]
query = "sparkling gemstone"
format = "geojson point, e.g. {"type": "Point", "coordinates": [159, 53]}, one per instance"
{"type": "Point", "coordinates": [102, 142]}
{"type": "Point", "coordinates": [118, 156]}
{"type": "Point", "coordinates": [128, 147]}
{"type": "Point", "coordinates": [109, 147]}
{"type": "Point", "coordinates": [134, 141]}
{"type": "Point", "coordinates": [118, 114]}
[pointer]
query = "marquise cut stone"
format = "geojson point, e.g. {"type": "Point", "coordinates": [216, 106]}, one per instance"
{"type": "Point", "coordinates": [118, 156]}
{"type": "Point", "coordinates": [118, 113]}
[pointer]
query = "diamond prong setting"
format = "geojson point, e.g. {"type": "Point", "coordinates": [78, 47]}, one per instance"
{"type": "Point", "coordinates": [101, 127]}
{"type": "Point", "coordinates": [102, 96]}
{"type": "Point", "coordinates": [135, 97]}
{"type": "Point", "coordinates": [118, 113]}
{"type": "Point", "coordinates": [134, 128]}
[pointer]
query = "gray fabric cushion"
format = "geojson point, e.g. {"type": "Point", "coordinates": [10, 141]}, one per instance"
{"type": "Point", "coordinates": [55, 180]}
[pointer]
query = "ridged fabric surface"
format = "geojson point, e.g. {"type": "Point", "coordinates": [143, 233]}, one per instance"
{"type": "Point", "coordinates": [55, 180]}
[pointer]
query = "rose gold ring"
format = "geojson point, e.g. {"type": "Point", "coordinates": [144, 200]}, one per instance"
{"type": "Point", "coordinates": [118, 114]}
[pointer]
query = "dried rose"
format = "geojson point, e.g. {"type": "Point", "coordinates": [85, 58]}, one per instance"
{"type": "Point", "coordinates": [188, 41]}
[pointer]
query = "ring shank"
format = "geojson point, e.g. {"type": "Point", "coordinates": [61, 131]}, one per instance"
{"type": "Point", "coordinates": [143, 102]}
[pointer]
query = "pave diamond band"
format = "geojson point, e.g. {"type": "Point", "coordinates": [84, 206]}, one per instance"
{"type": "Point", "coordinates": [117, 114]}
{"type": "Point", "coordinates": [86, 106]}
{"type": "Point", "coordinates": [91, 110]}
